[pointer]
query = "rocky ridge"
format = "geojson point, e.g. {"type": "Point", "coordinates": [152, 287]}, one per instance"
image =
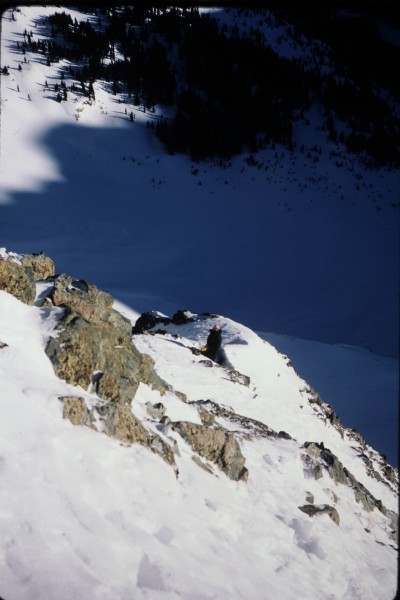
{"type": "Point", "coordinates": [92, 348]}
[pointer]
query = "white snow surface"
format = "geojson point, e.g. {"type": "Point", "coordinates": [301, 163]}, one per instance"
{"type": "Point", "coordinates": [84, 516]}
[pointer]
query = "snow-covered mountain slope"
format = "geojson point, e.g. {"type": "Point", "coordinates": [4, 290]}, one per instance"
{"type": "Point", "coordinates": [362, 387]}
{"type": "Point", "coordinates": [83, 515]}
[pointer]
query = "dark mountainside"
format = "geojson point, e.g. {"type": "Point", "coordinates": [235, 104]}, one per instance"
{"type": "Point", "coordinates": [158, 55]}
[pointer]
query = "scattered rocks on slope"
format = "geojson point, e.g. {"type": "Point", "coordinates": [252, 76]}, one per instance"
{"type": "Point", "coordinates": [317, 460]}
{"type": "Point", "coordinates": [372, 459]}
{"type": "Point", "coordinates": [149, 320]}
{"type": "Point", "coordinates": [246, 425]}
{"type": "Point", "coordinates": [116, 421]}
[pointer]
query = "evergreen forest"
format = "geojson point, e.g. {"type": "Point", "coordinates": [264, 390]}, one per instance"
{"type": "Point", "coordinates": [229, 91]}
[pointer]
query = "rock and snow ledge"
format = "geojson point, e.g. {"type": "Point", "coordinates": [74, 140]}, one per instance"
{"type": "Point", "coordinates": [257, 423]}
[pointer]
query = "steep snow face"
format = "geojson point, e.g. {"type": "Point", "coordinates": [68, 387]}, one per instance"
{"type": "Point", "coordinates": [362, 387]}
{"type": "Point", "coordinates": [286, 242]}
{"type": "Point", "coordinates": [84, 516]}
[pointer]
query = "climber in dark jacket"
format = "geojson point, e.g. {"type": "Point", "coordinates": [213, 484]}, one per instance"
{"type": "Point", "coordinates": [213, 345]}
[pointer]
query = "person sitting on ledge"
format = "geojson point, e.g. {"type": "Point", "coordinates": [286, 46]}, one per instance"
{"type": "Point", "coordinates": [213, 344]}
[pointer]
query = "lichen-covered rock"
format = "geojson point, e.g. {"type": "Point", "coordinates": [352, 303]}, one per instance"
{"type": "Point", "coordinates": [120, 423]}
{"type": "Point", "coordinates": [84, 298]}
{"type": "Point", "coordinates": [19, 272]}
{"type": "Point", "coordinates": [321, 509]}
{"type": "Point", "coordinates": [41, 265]}
{"type": "Point", "coordinates": [215, 445]}
{"type": "Point", "coordinates": [76, 411]}
{"type": "Point", "coordinates": [207, 418]}
{"type": "Point", "coordinates": [83, 348]}
{"type": "Point", "coordinates": [17, 280]}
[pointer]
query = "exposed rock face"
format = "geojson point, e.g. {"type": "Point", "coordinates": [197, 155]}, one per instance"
{"type": "Point", "coordinates": [76, 411]}
{"type": "Point", "coordinates": [245, 424]}
{"type": "Point", "coordinates": [116, 421]}
{"type": "Point", "coordinates": [215, 445]}
{"type": "Point", "coordinates": [321, 509]}
{"type": "Point", "coordinates": [317, 459]}
{"type": "Point", "coordinates": [94, 348]}
{"type": "Point", "coordinates": [82, 297]}
{"type": "Point", "coordinates": [322, 459]}
{"type": "Point", "coordinates": [238, 377]}
{"type": "Point", "coordinates": [41, 265]}
{"type": "Point", "coordinates": [18, 274]}
{"type": "Point", "coordinates": [386, 473]}
{"type": "Point", "coordinates": [17, 280]}
{"type": "Point", "coordinates": [121, 424]}
{"type": "Point", "coordinates": [149, 320]}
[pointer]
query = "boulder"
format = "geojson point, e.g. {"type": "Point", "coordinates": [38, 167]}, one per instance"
{"type": "Point", "coordinates": [181, 317]}
{"type": "Point", "coordinates": [321, 509]}
{"type": "Point", "coordinates": [41, 265]}
{"type": "Point", "coordinates": [83, 349]}
{"type": "Point", "coordinates": [19, 272]}
{"type": "Point", "coordinates": [84, 298]}
{"type": "Point", "coordinates": [215, 445]}
{"type": "Point", "coordinates": [147, 321]}
{"type": "Point", "coordinates": [17, 280]}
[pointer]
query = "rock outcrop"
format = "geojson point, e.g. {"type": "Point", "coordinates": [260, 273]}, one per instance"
{"type": "Point", "coordinates": [101, 357]}
{"type": "Point", "coordinates": [93, 347]}
{"type": "Point", "coordinates": [19, 272]}
{"type": "Point", "coordinates": [82, 297]}
{"type": "Point", "coordinates": [251, 428]}
{"type": "Point", "coordinates": [41, 265]}
{"type": "Point", "coordinates": [76, 411]}
{"type": "Point", "coordinates": [318, 460]}
{"type": "Point", "coordinates": [321, 509]}
{"type": "Point", "coordinates": [118, 422]}
{"type": "Point", "coordinates": [215, 445]}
